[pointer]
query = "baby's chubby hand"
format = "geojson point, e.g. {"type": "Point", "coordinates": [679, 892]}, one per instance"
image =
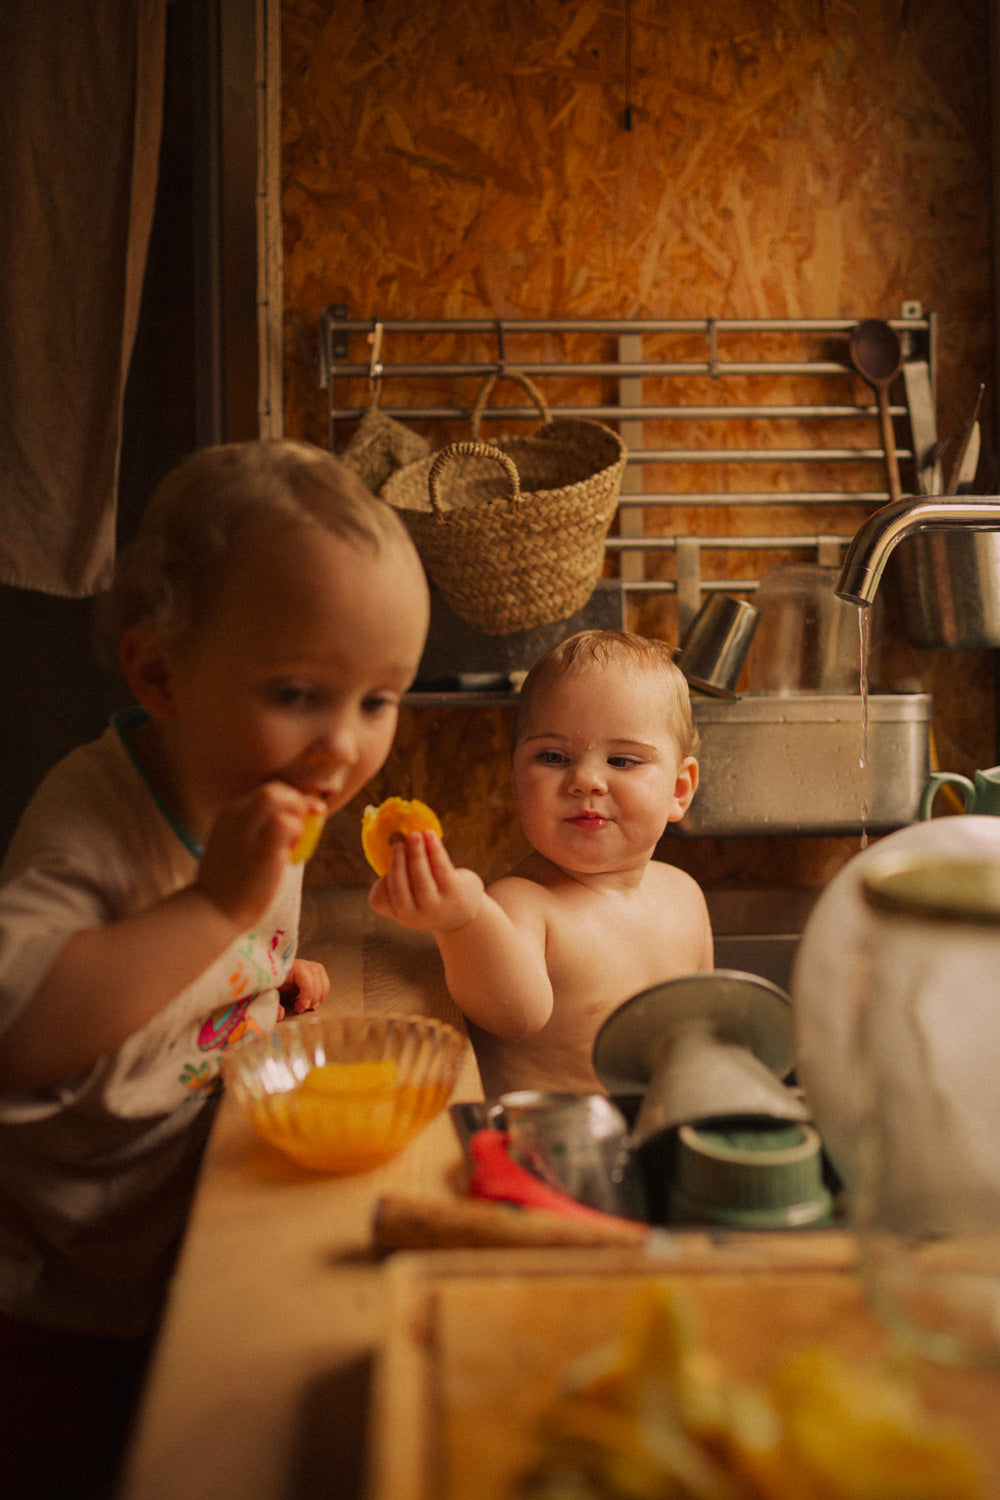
{"type": "Point", "coordinates": [248, 849]}
{"type": "Point", "coordinates": [423, 890]}
{"type": "Point", "coordinates": [307, 986]}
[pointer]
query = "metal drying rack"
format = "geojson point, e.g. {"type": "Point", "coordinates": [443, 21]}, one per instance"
{"type": "Point", "coordinates": [653, 378]}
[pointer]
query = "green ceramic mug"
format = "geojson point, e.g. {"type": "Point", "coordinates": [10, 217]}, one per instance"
{"type": "Point", "coordinates": [980, 795]}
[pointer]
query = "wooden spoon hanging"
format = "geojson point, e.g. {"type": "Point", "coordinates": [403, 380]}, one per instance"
{"type": "Point", "coordinates": [877, 356]}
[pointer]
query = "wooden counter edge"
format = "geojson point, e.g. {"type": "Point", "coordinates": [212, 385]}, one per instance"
{"type": "Point", "coordinates": [403, 1223]}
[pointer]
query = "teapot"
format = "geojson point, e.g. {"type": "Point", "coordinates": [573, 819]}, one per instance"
{"type": "Point", "coordinates": [980, 795]}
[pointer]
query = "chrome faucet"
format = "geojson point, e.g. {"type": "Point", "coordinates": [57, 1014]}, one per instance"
{"type": "Point", "coordinates": [878, 537]}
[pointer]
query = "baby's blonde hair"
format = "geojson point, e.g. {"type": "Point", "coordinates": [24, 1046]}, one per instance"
{"type": "Point", "coordinates": [170, 573]}
{"type": "Point", "coordinates": [613, 648]}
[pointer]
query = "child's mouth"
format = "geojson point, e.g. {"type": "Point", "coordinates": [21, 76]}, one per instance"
{"type": "Point", "coordinates": [587, 820]}
{"type": "Point", "coordinates": [327, 794]}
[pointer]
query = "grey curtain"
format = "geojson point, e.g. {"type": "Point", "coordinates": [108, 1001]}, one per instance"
{"type": "Point", "coordinates": [80, 122]}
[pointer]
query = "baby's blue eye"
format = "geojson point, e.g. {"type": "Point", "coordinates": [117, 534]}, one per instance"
{"type": "Point", "coordinates": [621, 761]}
{"type": "Point", "coordinates": [551, 758]}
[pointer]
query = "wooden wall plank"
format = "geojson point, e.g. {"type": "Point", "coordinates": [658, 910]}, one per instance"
{"type": "Point", "coordinates": [799, 158]}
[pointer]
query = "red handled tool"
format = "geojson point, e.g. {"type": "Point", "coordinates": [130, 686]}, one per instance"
{"type": "Point", "coordinates": [497, 1176]}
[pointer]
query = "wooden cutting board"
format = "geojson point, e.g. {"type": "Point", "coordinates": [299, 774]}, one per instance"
{"type": "Point", "coordinates": [478, 1343]}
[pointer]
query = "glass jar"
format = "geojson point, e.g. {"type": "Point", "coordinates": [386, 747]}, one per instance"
{"type": "Point", "coordinates": [808, 640]}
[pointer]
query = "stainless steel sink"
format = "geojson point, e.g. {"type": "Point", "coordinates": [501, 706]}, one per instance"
{"type": "Point", "coordinates": [770, 955]}
{"type": "Point", "coordinates": [757, 931]}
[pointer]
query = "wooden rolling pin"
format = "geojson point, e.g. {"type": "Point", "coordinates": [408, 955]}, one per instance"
{"type": "Point", "coordinates": [403, 1223]}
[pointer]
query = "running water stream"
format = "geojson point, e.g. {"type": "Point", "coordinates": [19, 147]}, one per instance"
{"type": "Point", "coordinates": [864, 646]}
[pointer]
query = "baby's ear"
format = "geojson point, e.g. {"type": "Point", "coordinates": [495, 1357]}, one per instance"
{"type": "Point", "coordinates": [145, 662]}
{"type": "Point", "coordinates": [684, 789]}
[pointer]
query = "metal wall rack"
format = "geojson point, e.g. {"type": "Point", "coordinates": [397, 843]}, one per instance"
{"type": "Point", "coordinates": [727, 421]}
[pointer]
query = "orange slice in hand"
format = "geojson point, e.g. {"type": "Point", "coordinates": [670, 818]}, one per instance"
{"type": "Point", "coordinates": [392, 820]}
{"type": "Point", "coordinates": [305, 845]}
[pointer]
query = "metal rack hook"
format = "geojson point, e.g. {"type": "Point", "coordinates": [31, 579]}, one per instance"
{"type": "Point", "coordinates": [713, 349]}
{"type": "Point", "coordinates": [375, 362]}
{"type": "Point", "coordinates": [501, 355]}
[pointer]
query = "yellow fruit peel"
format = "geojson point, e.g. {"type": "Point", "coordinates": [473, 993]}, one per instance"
{"type": "Point", "coordinates": [390, 821]}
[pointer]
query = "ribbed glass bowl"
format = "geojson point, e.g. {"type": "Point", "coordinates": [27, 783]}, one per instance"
{"type": "Point", "coordinates": [344, 1093]}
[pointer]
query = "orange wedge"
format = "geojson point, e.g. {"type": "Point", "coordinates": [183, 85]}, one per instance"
{"type": "Point", "coordinates": [305, 845]}
{"type": "Point", "coordinates": [392, 820]}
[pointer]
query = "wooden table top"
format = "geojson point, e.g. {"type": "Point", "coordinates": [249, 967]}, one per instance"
{"type": "Point", "coordinates": [291, 1352]}
{"type": "Point", "coordinates": [277, 1307]}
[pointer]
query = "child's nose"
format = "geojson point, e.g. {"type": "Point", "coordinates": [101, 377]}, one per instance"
{"type": "Point", "coordinates": [588, 776]}
{"type": "Point", "coordinates": [339, 738]}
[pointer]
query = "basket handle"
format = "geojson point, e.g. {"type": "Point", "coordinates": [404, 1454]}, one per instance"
{"type": "Point", "coordinates": [528, 386]}
{"type": "Point", "coordinates": [477, 450]}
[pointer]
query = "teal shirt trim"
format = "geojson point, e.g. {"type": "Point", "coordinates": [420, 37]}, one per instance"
{"type": "Point", "coordinates": [126, 721]}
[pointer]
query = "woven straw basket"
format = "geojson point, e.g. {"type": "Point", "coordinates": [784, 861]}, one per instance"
{"type": "Point", "coordinates": [381, 445]}
{"type": "Point", "coordinates": [512, 532]}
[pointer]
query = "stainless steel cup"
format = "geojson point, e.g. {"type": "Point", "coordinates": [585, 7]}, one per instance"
{"type": "Point", "coordinates": [577, 1143]}
{"type": "Point", "coordinates": [716, 644]}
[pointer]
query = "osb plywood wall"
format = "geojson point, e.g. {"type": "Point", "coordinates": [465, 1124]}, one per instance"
{"type": "Point", "coordinates": [572, 158]}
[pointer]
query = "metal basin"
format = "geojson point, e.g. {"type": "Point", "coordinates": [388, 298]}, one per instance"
{"type": "Point", "coordinates": [792, 765]}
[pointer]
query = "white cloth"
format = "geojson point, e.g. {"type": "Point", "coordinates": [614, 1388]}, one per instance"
{"type": "Point", "coordinates": [80, 121]}
{"type": "Point", "coordinates": [96, 1173]}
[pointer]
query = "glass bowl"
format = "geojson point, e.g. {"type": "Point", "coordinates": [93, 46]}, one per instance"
{"type": "Point", "coordinates": [344, 1093]}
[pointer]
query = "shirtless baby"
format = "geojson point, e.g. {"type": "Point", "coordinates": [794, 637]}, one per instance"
{"type": "Point", "coordinates": [603, 759]}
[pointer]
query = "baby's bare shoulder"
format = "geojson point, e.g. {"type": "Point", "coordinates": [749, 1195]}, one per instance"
{"type": "Point", "coordinates": [680, 905]}
{"type": "Point", "coordinates": [521, 896]}
{"type": "Point", "coordinates": [678, 898]}
{"type": "Point", "coordinates": [534, 896]}
{"type": "Point", "coordinates": [663, 877]}
{"type": "Point", "coordinates": [514, 886]}
{"type": "Point", "coordinates": [529, 880]}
